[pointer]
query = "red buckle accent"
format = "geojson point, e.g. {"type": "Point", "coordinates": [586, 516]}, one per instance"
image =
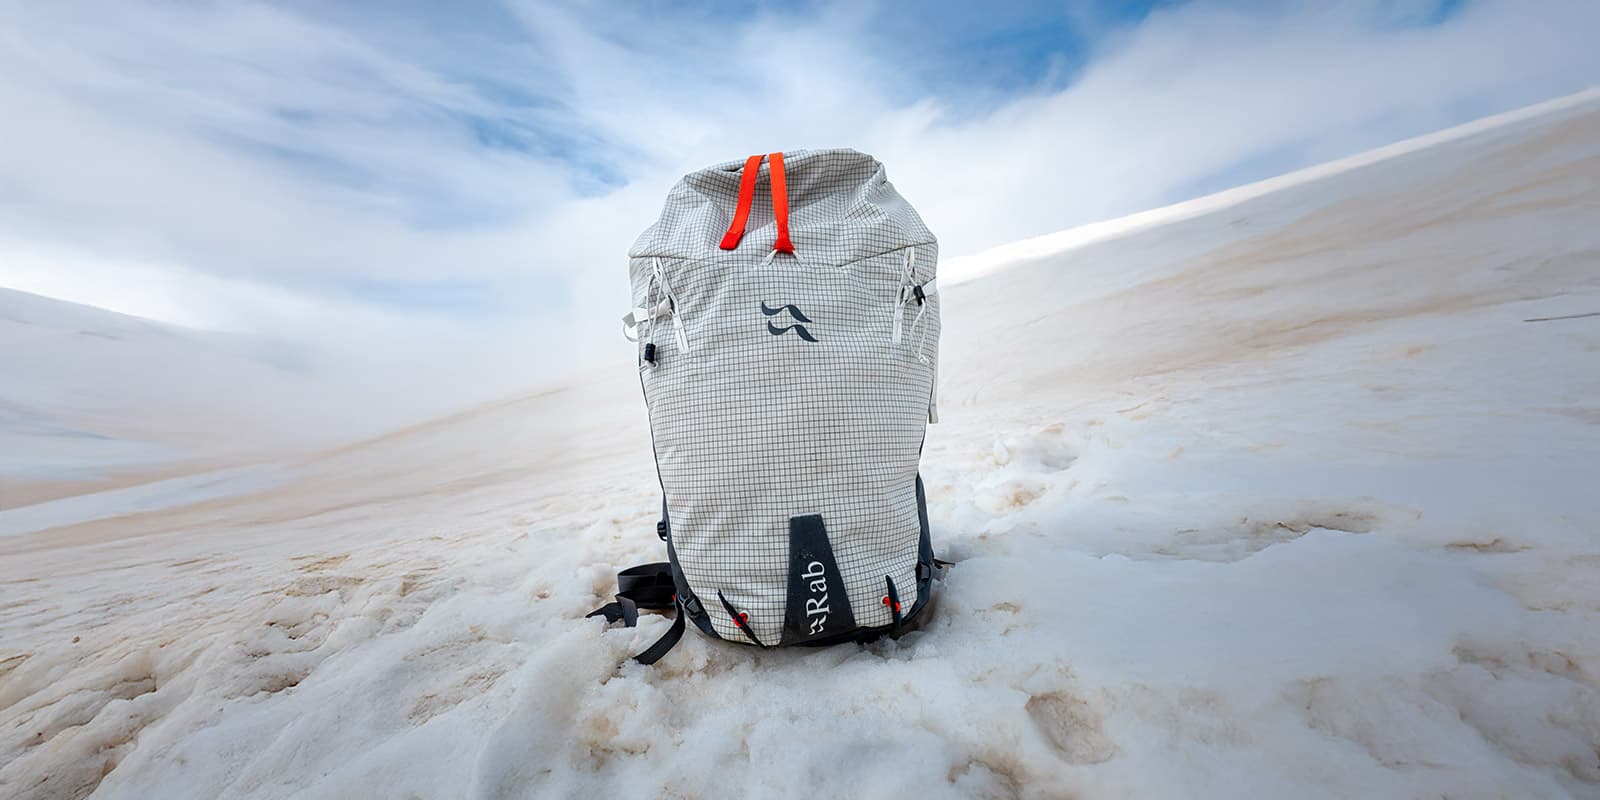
{"type": "Point", "coordinates": [890, 603]}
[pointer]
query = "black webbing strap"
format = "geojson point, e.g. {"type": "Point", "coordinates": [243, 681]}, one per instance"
{"type": "Point", "coordinates": [623, 609]}
{"type": "Point", "coordinates": [740, 621]}
{"type": "Point", "coordinates": [648, 585]}
{"type": "Point", "coordinates": [645, 586]}
{"type": "Point", "coordinates": [893, 602]}
{"type": "Point", "coordinates": [668, 640]}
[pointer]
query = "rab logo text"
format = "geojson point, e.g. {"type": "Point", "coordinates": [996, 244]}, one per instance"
{"type": "Point", "coordinates": [817, 603]}
{"type": "Point", "coordinates": [800, 330]}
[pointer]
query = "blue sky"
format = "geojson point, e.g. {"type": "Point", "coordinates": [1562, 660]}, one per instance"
{"type": "Point", "coordinates": [973, 57]}
{"type": "Point", "coordinates": [421, 178]}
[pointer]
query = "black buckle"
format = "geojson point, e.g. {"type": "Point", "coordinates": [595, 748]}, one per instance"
{"type": "Point", "coordinates": [916, 291]}
{"type": "Point", "coordinates": [661, 530]}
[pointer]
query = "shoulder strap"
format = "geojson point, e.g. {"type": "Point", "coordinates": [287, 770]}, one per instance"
{"type": "Point", "coordinates": [647, 586]}
{"type": "Point", "coordinates": [668, 640]}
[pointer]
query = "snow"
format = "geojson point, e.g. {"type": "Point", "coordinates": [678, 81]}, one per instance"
{"type": "Point", "coordinates": [94, 400]}
{"type": "Point", "coordinates": [87, 390]}
{"type": "Point", "coordinates": [151, 496]}
{"type": "Point", "coordinates": [1283, 498]}
{"type": "Point", "coordinates": [965, 268]}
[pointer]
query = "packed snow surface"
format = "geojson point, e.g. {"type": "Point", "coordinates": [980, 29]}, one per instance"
{"type": "Point", "coordinates": [86, 394]}
{"type": "Point", "coordinates": [1296, 496]}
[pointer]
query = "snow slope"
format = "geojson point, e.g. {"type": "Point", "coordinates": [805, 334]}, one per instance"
{"type": "Point", "coordinates": [1291, 497]}
{"type": "Point", "coordinates": [94, 399]}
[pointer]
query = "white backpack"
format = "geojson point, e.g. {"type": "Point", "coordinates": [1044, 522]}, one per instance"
{"type": "Point", "coordinates": [788, 334]}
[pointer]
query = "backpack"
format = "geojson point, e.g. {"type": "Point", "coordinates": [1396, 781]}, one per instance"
{"type": "Point", "coordinates": [788, 329]}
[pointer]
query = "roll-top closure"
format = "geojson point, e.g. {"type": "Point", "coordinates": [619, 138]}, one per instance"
{"type": "Point", "coordinates": [830, 208]}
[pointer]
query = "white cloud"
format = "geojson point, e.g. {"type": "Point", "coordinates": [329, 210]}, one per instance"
{"type": "Point", "coordinates": [240, 165]}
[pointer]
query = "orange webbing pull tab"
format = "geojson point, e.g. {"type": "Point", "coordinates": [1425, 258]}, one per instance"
{"type": "Point", "coordinates": [747, 195]}
{"type": "Point", "coordinates": [780, 203]}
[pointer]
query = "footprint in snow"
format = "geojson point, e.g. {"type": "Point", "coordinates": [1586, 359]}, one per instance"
{"type": "Point", "coordinates": [1047, 450]}
{"type": "Point", "coordinates": [1072, 727]}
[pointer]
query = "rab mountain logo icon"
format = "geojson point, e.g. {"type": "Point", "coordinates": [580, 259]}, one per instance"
{"type": "Point", "coordinates": [794, 312]}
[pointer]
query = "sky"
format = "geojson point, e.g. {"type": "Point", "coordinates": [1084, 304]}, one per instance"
{"type": "Point", "coordinates": [451, 189]}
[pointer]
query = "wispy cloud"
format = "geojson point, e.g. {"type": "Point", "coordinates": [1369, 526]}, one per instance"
{"type": "Point", "coordinates": [468, 180]}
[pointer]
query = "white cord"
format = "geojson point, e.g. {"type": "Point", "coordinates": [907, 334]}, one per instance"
{"type": "Point", "coordinates": [672, 303]}
{"type": "Point", "coordinates": [795, 254]}
{"type": "Point", "coordinates": [905, 293]}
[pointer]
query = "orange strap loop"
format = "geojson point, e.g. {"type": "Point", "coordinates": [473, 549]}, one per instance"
{"type": "Point", "coordinates": [780, 203]}
{"type": "Point", "coordinates": [747, 196]}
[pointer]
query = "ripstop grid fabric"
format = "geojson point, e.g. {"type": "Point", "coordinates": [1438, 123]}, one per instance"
{"type": "Point", "coordinates": [755, 423]}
